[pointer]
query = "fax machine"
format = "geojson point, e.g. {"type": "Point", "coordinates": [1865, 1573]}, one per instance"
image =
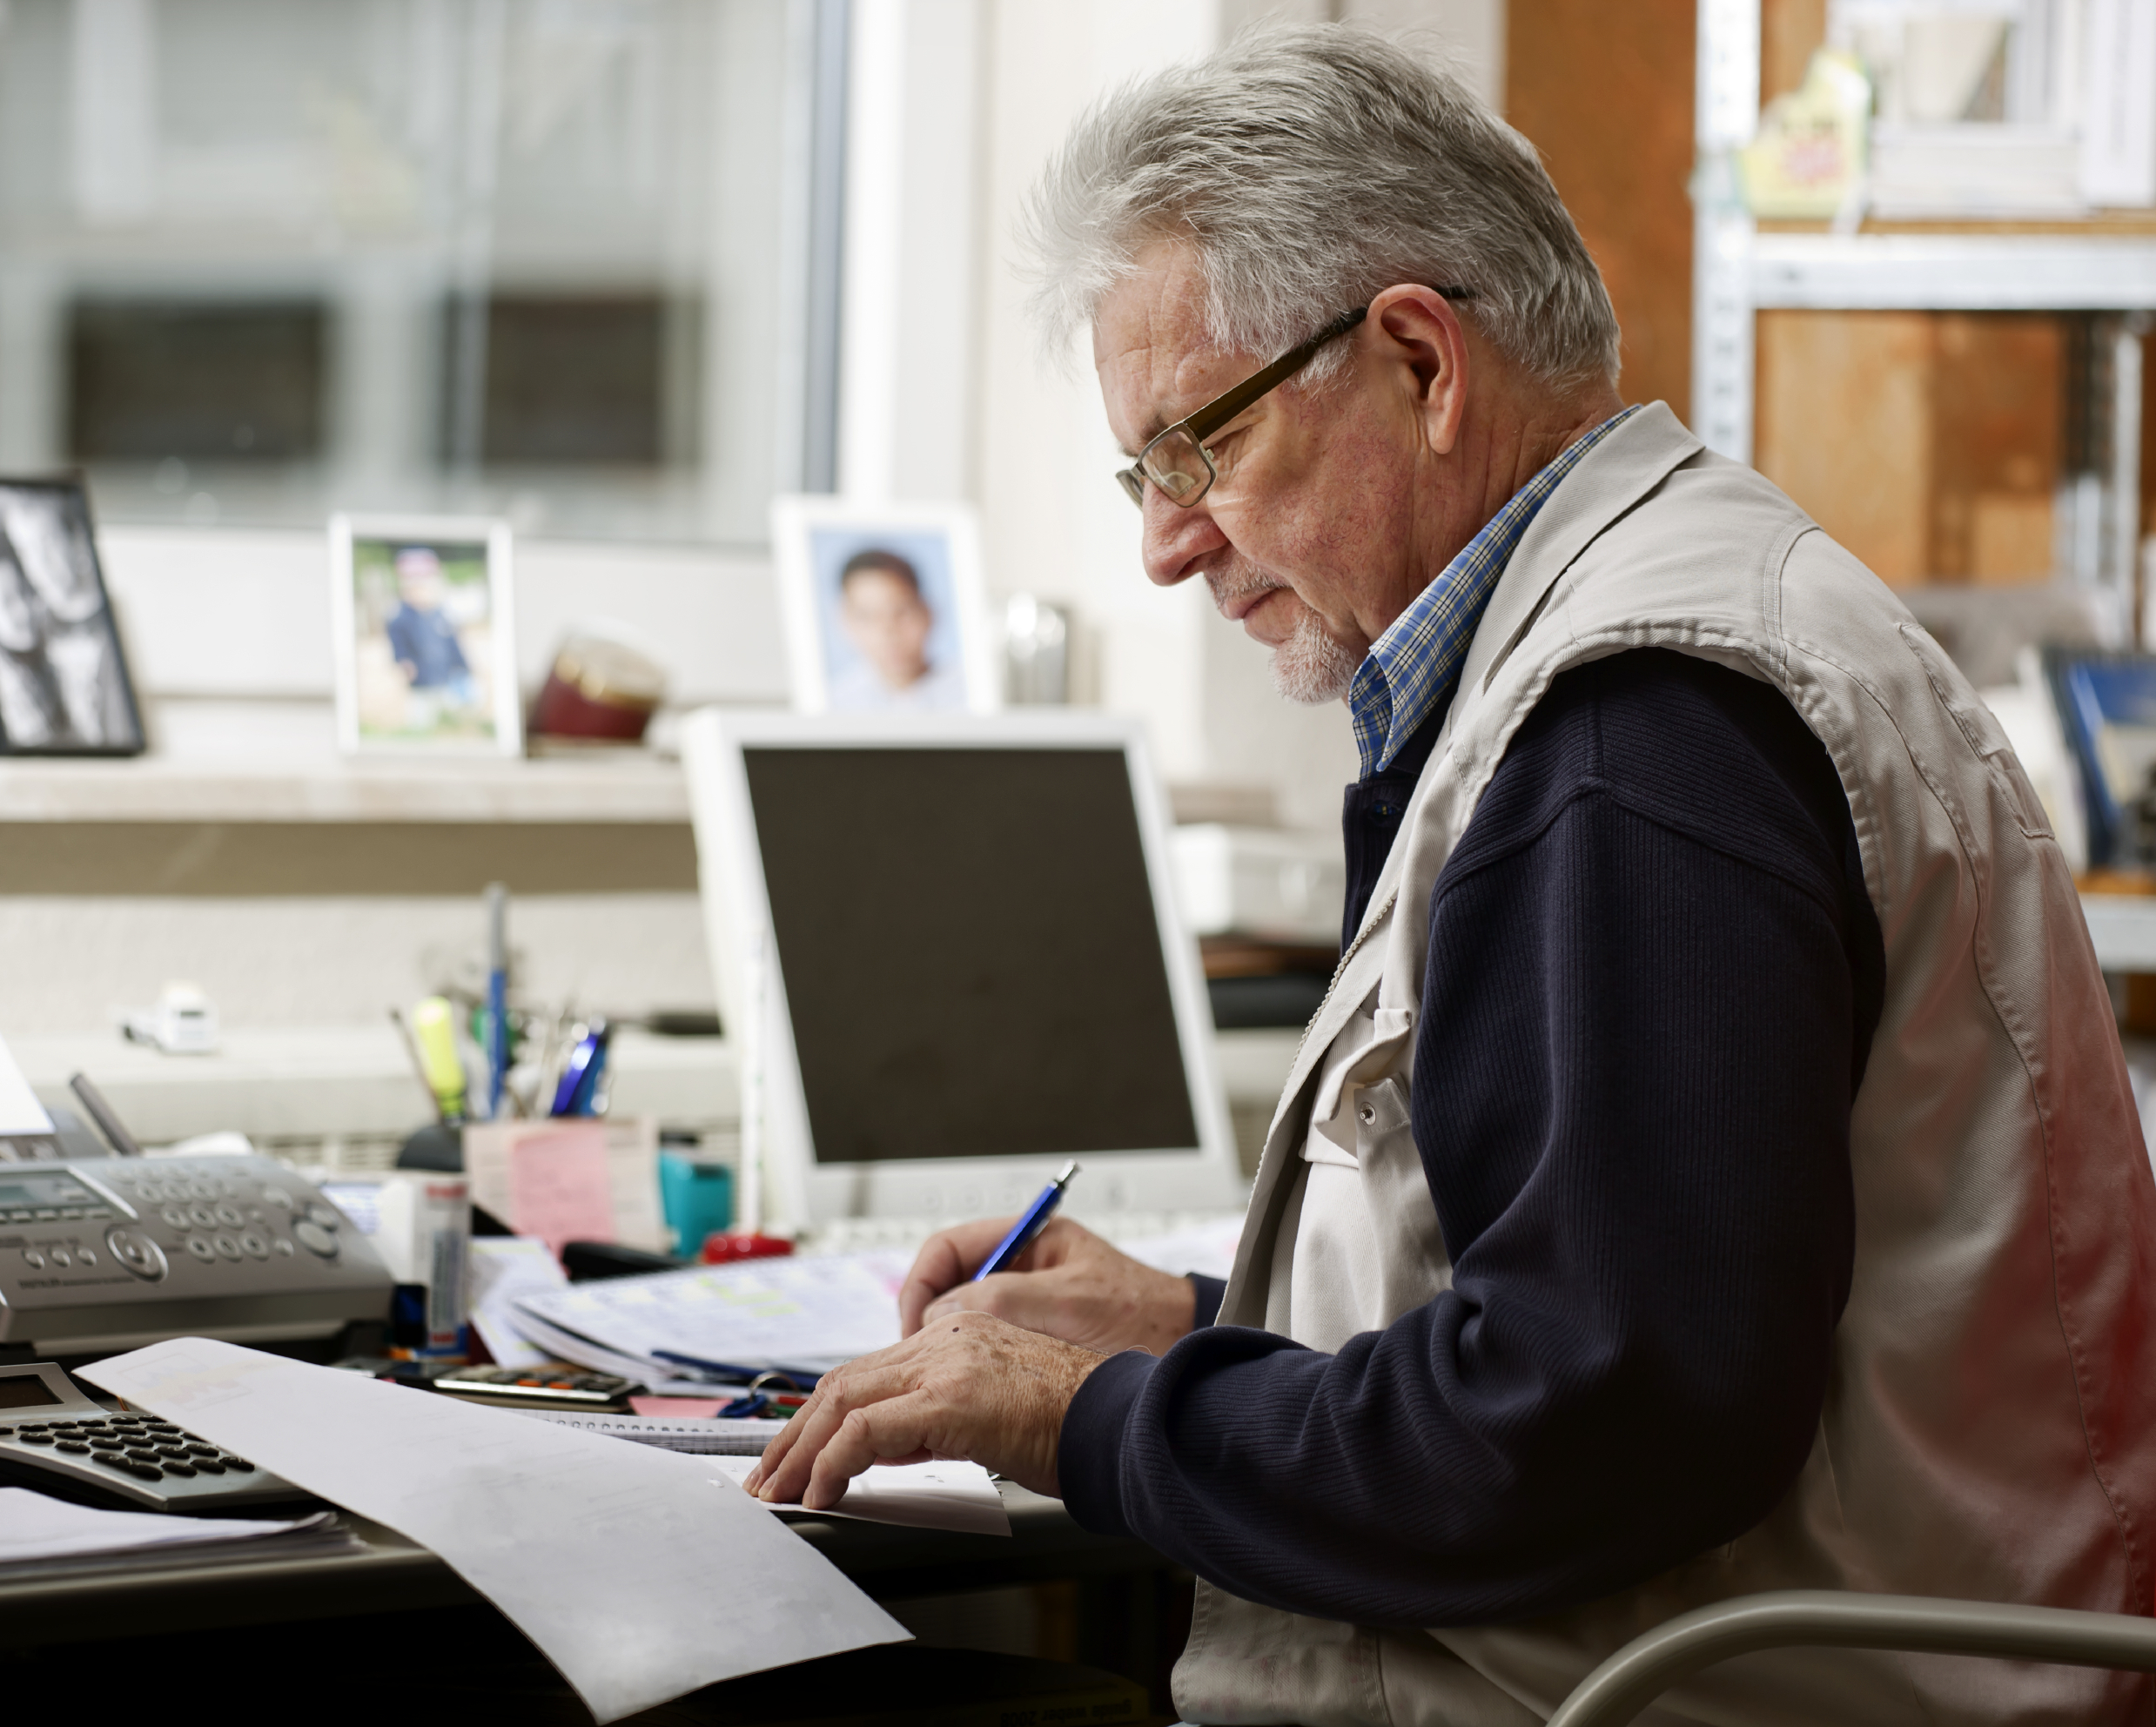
{"type": "Point", "coordinates": [108, 1253]}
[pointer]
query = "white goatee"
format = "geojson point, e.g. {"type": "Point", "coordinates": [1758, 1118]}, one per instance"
{"type": "Point", "coordinates": [1310, 667]}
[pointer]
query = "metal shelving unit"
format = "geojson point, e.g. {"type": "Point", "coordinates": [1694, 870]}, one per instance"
{"type": "Point", "coordinates": [1738, 272]}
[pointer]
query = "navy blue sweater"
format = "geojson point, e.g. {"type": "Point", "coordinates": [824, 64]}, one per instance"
{"type": "Point", "coordinates": [1653, 976]}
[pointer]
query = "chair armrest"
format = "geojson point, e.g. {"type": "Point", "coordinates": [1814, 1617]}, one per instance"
{"type": "Point", "coordinates": [1624, 1685]}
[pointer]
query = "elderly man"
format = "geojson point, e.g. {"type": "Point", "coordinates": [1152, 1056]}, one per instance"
{"type": "Point", "coordinates": [1713, 1168]}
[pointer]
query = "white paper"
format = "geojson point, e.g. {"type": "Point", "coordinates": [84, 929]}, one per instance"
{"type": "Point", "coordinates": [811, 1314]}
{"type": "Point", "coordinates": [20, 1112]}
{"type": "Point", "coordinates": [1206, 1248]}
{"type": "Point", "coordinates": [938, 1496]}
{"type": "Point", "coordinates": [33, 1528]}
{"type": "Point", "coordinates": [642, 1574]}
{"type": "Point", "coordinates": [503, 1268]}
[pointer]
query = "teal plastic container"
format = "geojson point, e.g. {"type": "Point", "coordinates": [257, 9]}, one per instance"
{"type": "Point", "coordinates": [697, 1197]}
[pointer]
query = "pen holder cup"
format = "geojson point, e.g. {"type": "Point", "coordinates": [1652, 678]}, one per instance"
{"type": "Point", "coordinates": [697, 1197]}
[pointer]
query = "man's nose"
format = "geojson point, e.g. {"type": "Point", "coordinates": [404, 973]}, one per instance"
{"type": "Point", "coordinates": [1175, 537]}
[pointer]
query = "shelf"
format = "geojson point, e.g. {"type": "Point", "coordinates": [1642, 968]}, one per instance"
{"type": "Point", "coordinates": [313, 1083]}
{"type": "Point", "coordinates": [1952, 272]}
{"type": "Point", "coordinates": [2123, 926]}
{"type": "Point", "coordinates": [286, 1083]}
{"type": "Point", "coordinates": [149, 789]}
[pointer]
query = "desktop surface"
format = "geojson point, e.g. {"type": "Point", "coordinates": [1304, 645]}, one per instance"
{"type": "Point", "coordinates": [388, 1574]}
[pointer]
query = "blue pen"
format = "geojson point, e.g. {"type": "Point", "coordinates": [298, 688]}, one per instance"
{"type": "Point", "coordinates": [1023, 1231]}
{"type": "Point", "coordinates": [579, 1074]}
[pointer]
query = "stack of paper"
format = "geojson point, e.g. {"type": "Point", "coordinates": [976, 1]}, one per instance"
{"type": "Point", "coordinates": [42, 1537]}
{"type": "Point", "coordinates": [1206, 1246]}
{"type": "Point", "coordinates": [802, 1316]}
{"type": "Point", "coordinates": [712, 1436]}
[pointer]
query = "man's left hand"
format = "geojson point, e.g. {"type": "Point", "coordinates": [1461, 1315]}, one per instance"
{"type": "Point", "coordinates": [966, 1385]}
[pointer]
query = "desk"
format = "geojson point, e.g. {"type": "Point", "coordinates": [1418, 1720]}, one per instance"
{"type": "Point", "coordinates": [392, 1576]}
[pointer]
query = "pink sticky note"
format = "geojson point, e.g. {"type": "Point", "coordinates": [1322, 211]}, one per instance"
{"type": "Point", "coordinates": [680, 1408]}
{"type": "Point", "coordinates": [558, 1185]}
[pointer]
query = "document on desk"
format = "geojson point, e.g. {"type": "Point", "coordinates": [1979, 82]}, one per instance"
{"type": "Point", "coordinates": [46, 1538]}
{"type": "Point", "coordinates": [938, 1496]}
{"type": "Point", "coordinates": [641, 1573]}
{"type": "Point", "coordinates": [810, 1315]}
{"type": "Point", "coordinates": [500, 1269]}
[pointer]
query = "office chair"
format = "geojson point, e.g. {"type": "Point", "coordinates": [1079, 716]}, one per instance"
{"type": "Point", "coordinates": [1624, 1685]}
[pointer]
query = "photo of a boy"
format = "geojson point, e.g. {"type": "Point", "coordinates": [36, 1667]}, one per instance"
{"type": "Point", "coordinates": [422, 655]}
{"type": "Point", "coordinates": [888, 622]}
{"type": "Point", "coordinates": [422, 639]}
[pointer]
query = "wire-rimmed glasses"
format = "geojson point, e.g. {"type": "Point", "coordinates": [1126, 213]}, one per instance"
{"type": "Point", "coordinates": [1177, 461]}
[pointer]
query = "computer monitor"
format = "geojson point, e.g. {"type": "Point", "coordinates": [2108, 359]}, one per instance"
{"type": "Point", "coordinates": [949, 946]}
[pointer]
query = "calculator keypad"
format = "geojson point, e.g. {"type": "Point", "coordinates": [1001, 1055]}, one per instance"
{"type": "Point", "coordinates": [142, 1446]}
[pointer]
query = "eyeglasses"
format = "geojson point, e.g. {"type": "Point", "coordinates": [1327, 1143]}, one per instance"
{"type": "Point", "coordinates": [1177, 461]}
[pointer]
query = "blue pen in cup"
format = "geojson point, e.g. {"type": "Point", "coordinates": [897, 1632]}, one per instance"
{"type": "Point", "coordinates": [1023, 1231]}
{"type": "Point", "coordinates": [582, 1073]}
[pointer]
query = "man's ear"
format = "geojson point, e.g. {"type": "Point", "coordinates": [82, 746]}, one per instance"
{"type": "Point", "coordinates": [1416, 330]}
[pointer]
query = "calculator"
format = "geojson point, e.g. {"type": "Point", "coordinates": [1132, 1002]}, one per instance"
{"type": "Point", "coordinates": [553, 1385]}
{"type": "Point", "coordinates": [55, 1438]}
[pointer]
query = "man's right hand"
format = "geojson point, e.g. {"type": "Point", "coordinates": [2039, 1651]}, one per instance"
{"type": "Point", "coordinates": [1069, 1284]}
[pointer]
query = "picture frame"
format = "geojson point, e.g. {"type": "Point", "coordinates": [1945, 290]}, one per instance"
{"type": "Point", "coordinates": [424, 616]}
{"type": "Point", "coordinates": [882, 606]}
{"type": "Point", "coordinates": [64, 685]}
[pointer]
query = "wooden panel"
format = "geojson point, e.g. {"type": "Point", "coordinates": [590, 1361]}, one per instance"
{"type": "Point", "coordinates": [1605, 94]}
{"type": "Point", "coordinates": [1789, 32]}
{"type": "Point", "coordinates": [1998, 397]}
{"type": "Point", "coordinates": [1929, 444]}
{"type": "Point", "coordinates": [243, 859]}
{"type": "Point", "coordinates": [1846, 428]}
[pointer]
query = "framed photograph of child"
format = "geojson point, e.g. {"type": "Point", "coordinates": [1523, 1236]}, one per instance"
{"type": "Point", "coordinates": [426, 636]}
{"type": "Point", "coordinates": [64, 684]}
{"type": "Point", "coordinates": [882, 606]}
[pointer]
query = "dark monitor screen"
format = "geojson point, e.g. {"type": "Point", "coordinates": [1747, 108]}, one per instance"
{"type": "Point", "coordinates": [971, 952]}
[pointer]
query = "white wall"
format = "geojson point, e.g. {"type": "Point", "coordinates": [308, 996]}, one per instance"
{"type": "Point", "coordinates": [945, 394]}
{"type": "Point", "coordinates": [215, 614]}
{"type": "Point", "coordinates": [1053, 522]}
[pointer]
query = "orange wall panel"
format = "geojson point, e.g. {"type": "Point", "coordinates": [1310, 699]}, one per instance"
{"type": "Point", "coordinates": [1844, 427]}
{"type": "Point", "coordinates": [1605, 94]}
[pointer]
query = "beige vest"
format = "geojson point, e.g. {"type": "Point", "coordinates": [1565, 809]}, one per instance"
{"type": "Point", "coordinates": [1990, 1425]}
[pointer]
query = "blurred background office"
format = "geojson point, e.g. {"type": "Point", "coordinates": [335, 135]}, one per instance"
{"type": "Point", "coordinates": [619, 271]}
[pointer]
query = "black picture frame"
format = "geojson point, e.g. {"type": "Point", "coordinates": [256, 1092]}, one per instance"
{"type": "Point", "coordinates": [64, 685]}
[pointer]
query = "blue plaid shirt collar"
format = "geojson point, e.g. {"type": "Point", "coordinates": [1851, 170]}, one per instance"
{"type": "Point", "coordinates": [1410, 670]}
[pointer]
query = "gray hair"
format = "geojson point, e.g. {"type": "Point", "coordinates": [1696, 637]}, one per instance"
{"type": "Point", "coordinates": [1310, 168]}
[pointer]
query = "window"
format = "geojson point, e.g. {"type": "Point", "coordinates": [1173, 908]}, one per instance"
{"type": "Point", "coordinates": [260, 259]}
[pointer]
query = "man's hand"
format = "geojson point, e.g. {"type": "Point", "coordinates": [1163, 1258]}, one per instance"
{"type": "Point", "coordinates": [1070, 1284]}
{"type": "Point", "coordinates": [969, 1386]}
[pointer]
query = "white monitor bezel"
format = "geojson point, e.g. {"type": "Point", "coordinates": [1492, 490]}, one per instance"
{"type": "Point", "coordinates": [798, 1190]}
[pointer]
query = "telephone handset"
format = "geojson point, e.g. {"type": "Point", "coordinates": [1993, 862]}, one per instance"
{"type": "Point", "coordinates": [55, 1438]}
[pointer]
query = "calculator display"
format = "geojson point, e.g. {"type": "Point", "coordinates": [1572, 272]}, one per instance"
{"type": "Point", "coordinates": [25, 1391]}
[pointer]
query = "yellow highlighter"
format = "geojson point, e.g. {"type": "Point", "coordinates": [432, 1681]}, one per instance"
{"type": "Point", "coordinates": [434, 1029]}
